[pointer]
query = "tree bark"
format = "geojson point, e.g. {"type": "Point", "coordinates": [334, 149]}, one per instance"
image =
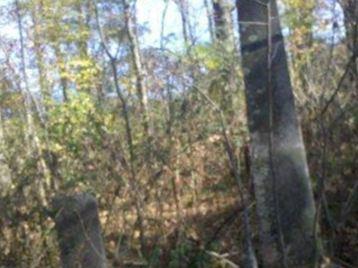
{"type": "Point", "coordinates": [138, 66]}
{"type": "Point", "coordinates": [301, 35]}
{"type": "Point", "coordinates": [210, 21]}
{"type": "Point", "coordinates": [350, 11]}
{"type": "Point", "coordinates": [60, 62]}
{"type": "Point", "coordinates": [225, 43]}
{"type": "Point", "coordinates": [283, 191]}
{"type": "Point", "coordinates": [5, 175]}
{"type": "Point", "coordinates": [33, 140]}
{"type": "Point", "coordinates": [223, 21]}
{"type": "Point", "coordinates": [186, 25]}
{"type": "Point", "coordinates": [82, 21]}
{"type": "Point", "coordinates": [36, 15]}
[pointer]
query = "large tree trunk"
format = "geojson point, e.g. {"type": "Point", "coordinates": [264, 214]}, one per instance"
{"type": "Point", "coordinates": [285, 204]}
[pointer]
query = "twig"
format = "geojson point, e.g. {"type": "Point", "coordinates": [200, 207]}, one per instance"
{"type": "Point", "coordinates": [256, 23]}
{"type": "Point", "coordinates": [88, 238]}
{"type": "Point", "coordinates": [348, 205]}
{"type": "Point", "coordinates": [233, 162]}
{"type": "Point", "coordinates": [340, 83]}
{"type": "Point", "coordinates": [222, 258]}
{"type": "Point", "coordinates": [228, 220]}
{"type": "Point", "coordinates": [343, 263]}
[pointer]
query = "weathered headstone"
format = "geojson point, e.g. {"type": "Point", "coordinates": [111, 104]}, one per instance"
{"type": "Point", "coordinates": [79, 233]}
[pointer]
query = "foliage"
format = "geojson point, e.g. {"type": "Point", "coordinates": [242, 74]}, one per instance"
{"type": "Point", "coordinates": [83, 131]}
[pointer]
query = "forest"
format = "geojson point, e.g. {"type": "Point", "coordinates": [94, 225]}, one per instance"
{"type": "Point", "coordinates": [178, 133]}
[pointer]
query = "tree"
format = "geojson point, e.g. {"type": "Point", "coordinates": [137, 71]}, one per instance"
{"type": "Point", "coordinates": [299, 16]}
{"type": "Point", "coordinates": [137, 63]}
{"type": "Point", "coordinates": [283, 191]}
{"type": "Point", "coordinates": [36, 10]}
{"type": "Point", "coordinates": [73, 78]}
{"type": "Point", "coordinates": [350, 11]}
{"type": "Point", "coordinates": [185, 20]}
{"type": "Point", "coordinates": [223, 21]}
{"type": "Point", "coordinates": [34, 143]}
{"type": "Point", "coordinates": [225, 43]}
{"type": "Point", "coordinates": [133, 182]}
{"type": "Point", "coordinates": [209, 17]}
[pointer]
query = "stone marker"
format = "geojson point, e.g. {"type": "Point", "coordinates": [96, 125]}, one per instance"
{"type": "Point", "coordinates": [78, 230]}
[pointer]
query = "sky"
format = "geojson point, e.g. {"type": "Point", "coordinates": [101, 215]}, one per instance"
{"type": "Point", "coordinates": [149, 13]}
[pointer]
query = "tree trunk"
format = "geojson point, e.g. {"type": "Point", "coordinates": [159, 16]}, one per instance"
{"type": "Point", "coordinates": [283, 191]}
{"type": "Point", "coordinates": [33, 140]}
{"type": "Point", "coordinates": [186, 26]}
{"type": "Point", "coordinates": [138, 67]}
{"type": "Point", "coordinates": [5, 175]}
{"type": "Point", "coordinates": [36, 15]}
{"type": "Point", "coordinates": [225, 43]}
{"type": "Point", "coordinates": [60, 62]}
{"type": "Point", "coordinates": [133, 181]}
{"type": "Point", "coordinates": [223, 21]}
{"type": "Point", "coordinates": [300, 26]}
{"type": "Point", "coordinates": [210, 21]}
{"type": "Point", "coordinates": [350, 11]}
{"type": "Point", "coordinates": [83, 27]}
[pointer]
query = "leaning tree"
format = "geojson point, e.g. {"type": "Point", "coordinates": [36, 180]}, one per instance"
{"type": "Point", "coordinates": [285, 204]}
